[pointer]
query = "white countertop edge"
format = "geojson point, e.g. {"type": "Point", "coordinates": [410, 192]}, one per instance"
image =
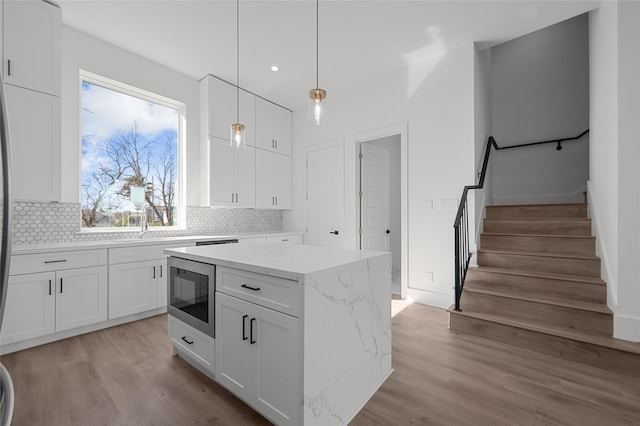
{"type": "Point", "coordinates": [287, 269]}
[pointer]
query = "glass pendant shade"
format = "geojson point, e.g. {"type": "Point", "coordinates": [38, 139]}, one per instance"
{"type": "Point", "coordinates": [237, 135]}
{"type": "Point", "coordinates": [317, 111]}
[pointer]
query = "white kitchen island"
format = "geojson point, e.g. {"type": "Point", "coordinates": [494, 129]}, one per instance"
{"type": "Point", "coordinates": [319, 324]}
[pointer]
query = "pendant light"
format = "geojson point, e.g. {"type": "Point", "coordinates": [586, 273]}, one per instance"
{"type": "Point", "coordinates": [317, 109]}
{"type": "Point", "coordinates": [237, 129]}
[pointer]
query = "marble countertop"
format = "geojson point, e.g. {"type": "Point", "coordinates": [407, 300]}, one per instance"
{"type": "Point", "coordinates": [282, 260]}
{"type": "Point", "coordinates": [132, 242]}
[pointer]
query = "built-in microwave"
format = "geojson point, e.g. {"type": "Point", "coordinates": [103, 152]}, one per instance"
{"type": "Point", "coordinates": [192, 293]}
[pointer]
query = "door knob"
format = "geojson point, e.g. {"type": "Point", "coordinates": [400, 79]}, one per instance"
{"type": "Point", "coordinates": [388, 231]}
{"type": "Point", "coordinates": [334, 232]}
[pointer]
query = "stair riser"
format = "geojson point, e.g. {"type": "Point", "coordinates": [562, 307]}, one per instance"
{"type": "Point", "coordinates": [556, 265]}
{"type": "Point", "coordinates": [585, 353]}
{"type": "Point", "coordinates": [537, 212]}
{"type": "Point", "coordinates": [541, 313]}
{"type": "Point", "coordinates": [539, 227]}
{"type": "Point", "coordinates": [539, 244]}
{"type": "Point", "coordinates": [536, 286]}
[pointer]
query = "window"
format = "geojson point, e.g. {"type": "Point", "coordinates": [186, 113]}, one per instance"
{"type": "Point", "coordinates": [131, 143]}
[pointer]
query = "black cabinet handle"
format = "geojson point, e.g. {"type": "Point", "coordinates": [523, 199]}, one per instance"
{"type": "Point", "coordinates": [334, 232]}
{"type": "Point", "coordinates": [248, 287]}
{"type": "Point", "coordinates": [55, 261]}
{"type": "Point", "coordinates": [49, 287]}
{"type": "Point", "coordinates": [60, 285]}
{"type": "Point", "coordinates": [244, 324]}
{"type": "Point", "coordinates": [154, 272]}
{"type": "Point", "coordinates": [8, 66]}
{"type": "Point", "coordinates": [251, 330]}
{"type": "Point", "coordinates": [184, 338]}
{"type": "Point", "coordinates": [160, 271]}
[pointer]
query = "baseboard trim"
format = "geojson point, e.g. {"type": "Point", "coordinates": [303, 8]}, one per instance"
{"type": "Point", "coordinates": [626, 328]}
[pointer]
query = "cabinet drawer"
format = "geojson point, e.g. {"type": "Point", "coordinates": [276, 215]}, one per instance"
{"type": "Point", "coordinates": [288, 239]}
{"type": "Point", "coordinates": [271, 292]}
{"type": "Point", "coordinates": [43, 262]}
{"type": "Point", "coordinates": [193, 342]}
{"type": "Point", "coordinates": [142, 253]}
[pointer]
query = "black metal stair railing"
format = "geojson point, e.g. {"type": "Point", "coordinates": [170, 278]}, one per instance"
{"type": "Point", "coordinates": [462, 253]}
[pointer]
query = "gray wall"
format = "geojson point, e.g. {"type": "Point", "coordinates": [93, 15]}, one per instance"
{"type": "Point", "coordinates": [540, 91]}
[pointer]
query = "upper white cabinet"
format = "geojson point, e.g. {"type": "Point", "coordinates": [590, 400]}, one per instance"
{"type": "Point", "coordinates": [31, 54]}
{"type": "Point", "coordinates": [232, 173]}
{"type": "Point", "coordinates": [273, 127]}
{"type": "Point", "coordinates": [273, 180]}
{"type": "Point", "coordinates": [35, 132]}
{"type": "Point", "coordinates": [218, 104]}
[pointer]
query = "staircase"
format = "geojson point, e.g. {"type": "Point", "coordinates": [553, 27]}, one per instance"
{"type": "Point", "coordinates": [538, 287]}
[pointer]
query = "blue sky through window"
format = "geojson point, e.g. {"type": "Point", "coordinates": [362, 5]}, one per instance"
{"type": "Point", "coordinates": [127, 141]}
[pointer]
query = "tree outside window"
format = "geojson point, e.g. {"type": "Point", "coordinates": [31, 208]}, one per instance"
{"type": "Point", "coordinates": [128, 142]}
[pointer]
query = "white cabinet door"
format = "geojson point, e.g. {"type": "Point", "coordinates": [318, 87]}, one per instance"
{"type": "Point", "coordinates": [81, 297]}
{"type": "Point", "coordinates": [233, 367]}
{"type": "Point", "coordinates": [245, 177]}
{"type": "Point", "coordinates": [277, 356]}
{"type": "Point", "coordinates": [132, 288]}
{"type": "Point", "coordinates": [282, 184]}
{"type": "Point", "coordinates": [273, 180]}
{"type": "Point", "coordinates": [34, 125]}
{"type": "Point", "coordinates": [273, 127]}
{"type": "Point", "coordinates": [221, 172]}
{"type": "Point", "coordinates": [161, 278]}
{"type": "Point", "coordinates": [222, 110]}
{"type": "Point", "coordinates": [283, 130]}
{"type": "Point", "coordinates": [29, 307]}
{"type": "Point", "coordinates": [258, 357]}
{"type": "Point", "coordinates": [32, 33]}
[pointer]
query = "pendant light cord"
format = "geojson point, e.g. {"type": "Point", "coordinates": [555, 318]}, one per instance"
{"type": "Point", "coordinates": [317, 43]}
{"type": "Point", "coordinates": [238, 61]}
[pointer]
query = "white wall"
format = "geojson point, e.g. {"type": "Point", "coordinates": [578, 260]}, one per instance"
{"type": "Point", "coordinates": [392, 144]}
{"type": "Point", "coordinates": [436, 100]}
{"type": "Point", "coordinates": [81, 51]}
{"type": "Point", "coordinates": [540, 91]}
{"type": "Point", "coordinates": [614, 172]}
{"type": "Point", "coordinates": [482, 123]}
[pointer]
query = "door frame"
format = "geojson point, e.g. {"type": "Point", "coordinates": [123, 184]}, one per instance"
{"type": "Point", "coordinates": [352, 187]}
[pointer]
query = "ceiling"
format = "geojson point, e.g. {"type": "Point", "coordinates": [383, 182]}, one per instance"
{"type": "Point", "coordinates": [360, 41]}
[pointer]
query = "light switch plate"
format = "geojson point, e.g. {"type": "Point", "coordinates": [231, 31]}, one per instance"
{"type": "Point", "coordinates": [448, 204]}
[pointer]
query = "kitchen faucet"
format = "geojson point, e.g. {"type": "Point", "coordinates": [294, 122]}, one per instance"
{"type": "Point", "coordinates": [143, 222]}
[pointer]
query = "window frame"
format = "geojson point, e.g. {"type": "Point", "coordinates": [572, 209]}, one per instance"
{"type": "Point", "coordinates": [148, 96]}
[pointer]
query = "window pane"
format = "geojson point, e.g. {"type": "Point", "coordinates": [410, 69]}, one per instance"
{"type": "Point", "coordinates": [129, 159]}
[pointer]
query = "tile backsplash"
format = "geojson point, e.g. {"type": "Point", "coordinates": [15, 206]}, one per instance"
{"type": "Point", "coordinates": [44, 222]}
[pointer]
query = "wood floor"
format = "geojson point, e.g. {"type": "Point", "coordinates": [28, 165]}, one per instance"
{"type": "Point", "coordinates": [126, 375]}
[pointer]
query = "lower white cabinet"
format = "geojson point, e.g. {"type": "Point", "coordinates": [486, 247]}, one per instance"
{"type": "Point", "coordinates": [56, 301]}
{"type": "Point", "coordinates": [136, 287]}
{"type": "Point", "coordinates": [258, 357]}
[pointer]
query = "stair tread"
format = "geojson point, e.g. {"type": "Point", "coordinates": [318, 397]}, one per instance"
{"type": "Point", "coordinates": [541, 254]}
{"type": "Point", "coordinates": [538, 205]}
{"type": "Point", "coordinates": [556, 301]}
{"type": "Point", "coordinates": [497, 234]}
{"type": "Point", "coordinates": [599, 340]}
{"type": "Point", "coordinates": [536, 274]}
{"type": "Point", "coordinates": [547, 219]}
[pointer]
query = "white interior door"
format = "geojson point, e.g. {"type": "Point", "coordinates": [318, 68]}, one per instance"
{"type": "Point", "coordinates": [325, 196]}
{"type": "Point", "coordinates": [374, 198]}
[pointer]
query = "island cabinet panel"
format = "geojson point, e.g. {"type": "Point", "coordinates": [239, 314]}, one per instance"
{"type": "Point", "coordinates": [258, 357]}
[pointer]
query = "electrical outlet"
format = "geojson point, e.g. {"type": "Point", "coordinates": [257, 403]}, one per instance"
{"type": "Point", "coordinates": [429, 276]}
{"type": "Point", "coordinates": [427, 204]}
{"type": "Point", "coordinates": [448, 204]}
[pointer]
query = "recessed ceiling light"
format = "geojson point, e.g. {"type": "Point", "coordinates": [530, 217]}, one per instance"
{"type": "Point", "coordinates": [274, 68]}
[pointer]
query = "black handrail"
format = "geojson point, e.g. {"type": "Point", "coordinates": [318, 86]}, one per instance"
{"type": "Point", "coordinates": [461, 239]}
